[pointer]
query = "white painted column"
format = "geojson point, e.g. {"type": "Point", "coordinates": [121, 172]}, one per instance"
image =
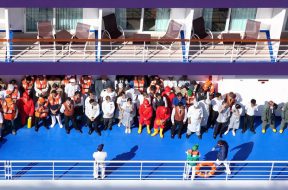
{"type": "Point", "coordinates": [7, 27]}
{"type": "Point", "coordinates": [277, 24]}
{"type": "Point", "coordinates": [188, 29]}
{"type": "Point", "coordinates": [99, 34]}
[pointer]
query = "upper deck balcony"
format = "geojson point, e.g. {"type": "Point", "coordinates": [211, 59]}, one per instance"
{"type": "Point", "coordinates": [144, 36]}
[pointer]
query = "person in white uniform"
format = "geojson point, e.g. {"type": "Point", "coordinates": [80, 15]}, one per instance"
{"type": "Point", "coordinates": [205, 105]}
{"type": "Point", "coordinates": [71, 88]}
{"type": "Point", "coordinates": [216, 104]}
{"type": "Point", "coordinates": [194, 115]}
{"type": "Point", "coordinates": [234, 122]}
{"type": "Point", "coordinates": [222, 119]}
{"type": "Point", "coordinates": [99, 158]}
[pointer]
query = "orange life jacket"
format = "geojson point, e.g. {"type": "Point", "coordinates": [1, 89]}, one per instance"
{"type": "Point", "coordinates": [139, 85]}
{"type": "Point", "coordinates": [85, 86]}
{"type": "Point", "coordinates": [9, 111]}
{"type": "Point", "coordinates": [42, 110]}
{"type": "Point", "coordinates": [54, 101]}
{"type": "Point", "coordinates": [208, 86]}
{"type": "Point", "coordinates": [27, 86]}
{"type": "Point", "coordinates": [13, 94]}
{"type": "Point", "coordinates": [41, 84]}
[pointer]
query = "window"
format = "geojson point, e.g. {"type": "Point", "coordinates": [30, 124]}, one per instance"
{"type": "Point", "coordinates": [66, 18]}
{"type": "Point", "coordinates": [239, 18]}
{"type": "Point", "coordinates": [215, 19]}
{"type": "Point", "coordinates": [128, 19]}
{"type": "Point", "coordinates": [34, 15]}
{"type": "Point", "coordinates": [156, 19]}
{"type": "Point", "coordinates": [153, 19]}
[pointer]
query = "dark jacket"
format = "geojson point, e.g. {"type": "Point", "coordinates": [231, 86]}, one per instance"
{"type": "Point", "coordinates": [223, 151]}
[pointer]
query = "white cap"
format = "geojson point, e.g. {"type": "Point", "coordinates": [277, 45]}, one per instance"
{"type": "Point", "coordinates": [10, 87]}
{"type": "Point", "coordinates": [120, 85]}
{"type": "Point", "coordinates": [72, 80]}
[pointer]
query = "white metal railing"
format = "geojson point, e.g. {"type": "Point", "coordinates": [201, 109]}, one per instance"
{"type": "Point", "coordinates": [129, 52]}
{"type": "Point", "coordinates": [140, 170]}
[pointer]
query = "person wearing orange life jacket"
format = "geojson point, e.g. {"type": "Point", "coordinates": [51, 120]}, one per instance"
{"type": "Point", "coordinates": [208, 86]}
{"type": "Point", "coordinates": [41, 113]}
{"type": "Point", "coordinates": [10, 113]}
{"type": "Point", "coordinates": [26, 107]}
{"type": "Point", "coordinates": [27, 84]}
{"type": "Point", "coordinates": [54, 105]}
{"type": "Point", "coordinates": [41, 87]}
{"type": "Point", "coordinates": [12, 92]}
{"type": "Point", "coordinates": [78, 107]}
{"type": "Point", "coordinates": [86, 83]}
{"type": "Point", "coordinates": [158, 83]}
{"type": "Point", "coordinates": [178, 119]}
{"type": "Point", "coordinates": [68, 109]}
{"type": "Point", "coordinates": [139, 83]}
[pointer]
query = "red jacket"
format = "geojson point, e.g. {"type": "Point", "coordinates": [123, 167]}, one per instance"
{"type": "Point", "coordinates": [162, 113]}
{"type": "Point", "coordinates": [26, 107]}
{"type": "Point", "coordinates": [145, 112]}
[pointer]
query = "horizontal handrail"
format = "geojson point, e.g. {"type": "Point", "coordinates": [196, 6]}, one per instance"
{"type": "Point", "coordinates": [141, 40]}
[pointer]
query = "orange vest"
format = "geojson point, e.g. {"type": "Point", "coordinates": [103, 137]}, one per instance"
{"type": "Point", "coordinates": [54, 101]}
{"type": "Point", "coordinates": [13, 94]}
{"type": "Point", "coordinates": [42, 111]}
{"type": "Point", "coordinates": [27, 86]}
{"type": "Point", "coordinates": [69, 110]}
{"type": "Point", "coordinates": [179, 116]}
{"type": "Point", "coordinates": [139, 85]}
{"type": "Point", "coordinates": [9, 111]}
{"type": "Point", "coordinates": [85, 86]}
{"type": "Point", "coordinates": [208, 86]}
{"type": "Point", "coordinates": [41, 84]}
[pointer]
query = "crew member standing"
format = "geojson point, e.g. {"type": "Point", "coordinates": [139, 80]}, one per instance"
{"type": "Point", "coordinates": [68, 109]}
{"type": "Point", "coordinates": [222, 147]}
{"type": "Point", "coordinates": [55, 104]}
{"type": "Point", "coordinates": [92, 112]}
{"type": "Point", "coordinates": [99, 158]}
{"type": "Point", "coordinates": [10, 113]}
{"type": "Point", "coordinates": [41, 113]}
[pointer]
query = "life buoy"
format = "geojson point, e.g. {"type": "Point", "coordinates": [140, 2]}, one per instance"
{"type": "Point", "coordinates": [205, 174]}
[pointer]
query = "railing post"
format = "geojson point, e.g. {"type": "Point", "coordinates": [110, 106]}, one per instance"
{"type": "Point", "coordinates": [271, 171]}
{"type": "Point", "coordinates": [184, 171]}
{"type": "Point", "coordinates": [141, 167]}
{"type": "Point", "coordinates": [53, 170]}
{"type": "Point", "coordinates": [226, 178]}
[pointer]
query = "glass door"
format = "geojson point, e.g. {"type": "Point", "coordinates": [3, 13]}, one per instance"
{"type": "Point", "coordinates": [34, 15]}
{"type": "Point", "coordinates": [215, 18]}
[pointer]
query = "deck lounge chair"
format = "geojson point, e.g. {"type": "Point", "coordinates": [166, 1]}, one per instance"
{"type": "Point", "coordinates": [201, 33]}
{"type": "Point", "coordinates": [251, 33]}
{"type": "Point", "coordinates": [82, 33]}
{"type": "Point", "coordinates": [172, 32]}
{"type": "Point", "coordinates": [112, 30]}
{"type": "Point", "coordinates": [46, 31]}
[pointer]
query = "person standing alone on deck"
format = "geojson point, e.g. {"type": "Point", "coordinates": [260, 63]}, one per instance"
{"type": "Point", "coordinates": [222, 148]}
{"type": "Point", "coordinates": [99, 158]}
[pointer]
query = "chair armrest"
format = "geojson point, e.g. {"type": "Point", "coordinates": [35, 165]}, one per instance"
{"type": "Point", "coordinates": [121, 30]}
{"type": "Point", "coordinates": [196, 36]}
{"type": "Point", "coordinates": [209, 33]}
{"type": "Point", "coordinates": [107, 33]}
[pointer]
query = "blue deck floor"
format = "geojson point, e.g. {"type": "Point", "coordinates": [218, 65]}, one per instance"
{"type": "Point", "coordinates": [55, 144]}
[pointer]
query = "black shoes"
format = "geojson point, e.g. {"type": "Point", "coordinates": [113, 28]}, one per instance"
{"type": "Point", "coordinates": [68, 131]}
{"type": "Point", "coordinates": [199, 136]}
{"type": "Point", "coordinates": [90, 132]}
{"type": "Point", "coordinates": [214, 136]}
{"type": "Point", "coordinates": [110, 128]}
{"type": "Point", "coordinates": [99, 133]}
{"type": "Point", "coordinates": [243, 131]}
{"type": "Point", "coordinates": [172, 136]}
{"type": "Point", "coordinates": [36, 129]}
